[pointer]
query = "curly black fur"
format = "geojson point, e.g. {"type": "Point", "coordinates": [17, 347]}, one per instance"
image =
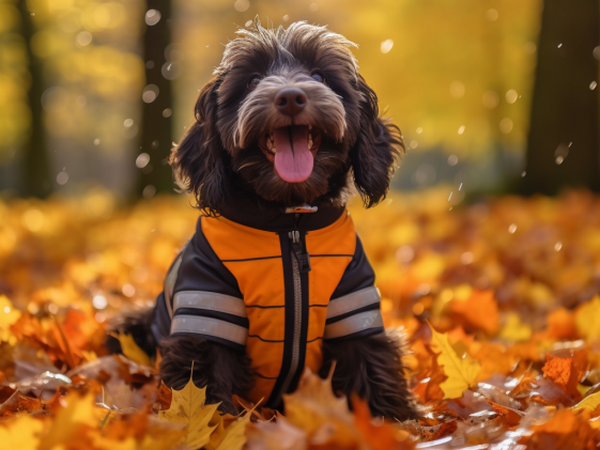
{"type": "Point", "coordinates": [370, 367]}
{"type": "Point", "coordinates": [224, 371]}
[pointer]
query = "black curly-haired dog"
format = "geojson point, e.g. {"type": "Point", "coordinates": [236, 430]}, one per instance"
{"type": "Point", "coordinates": [275, 279]}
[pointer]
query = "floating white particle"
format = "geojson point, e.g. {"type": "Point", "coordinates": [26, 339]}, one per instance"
{"type": "Point", "coordinates": [149, 191]}
{"type": "Point", "coordinates": [466, 258]}
{"type": "Point", "coordinates": [386, 46]}
{"type": "Point", "coordinates": [512, 228]}
{"type": "Point", "coordinates": [460, 187]}
{"type": "Point", "coordinates": [167, 113]}
{"type": "Point", "coordinates": [142, 160]}
{"type": "Point", "coordinates": [97, 141]}
{"type": "Point", "coordinates": [128, 290]}
{"type": "Point", "coordinates": [491, 15]}
{"type": "Point", "coordinates": [419, 130]}
{"type": "Point", "coordinates": [7, 309]}
{"type": "Point", "coordinates": [558, 246]}
{"type": "Point", "coordinates": [248, 24]}
{"type": "Point", "coordinates": [461, 130]}
{"type": "Point", "coordinates": [62, 178]}
{"type": "Point", "coordinates": [99, 302]}
{"type": "Point", "coordinates": [559, 160]}
{"type": "Point", "coordinates": [511, 96]}
{"type": "Point", "coordinates": [596, 53]}
{"type": "Point", "coordinates": [593, 85]}
{"type": "Point", "coordinates": [285, 18]}
{"type": "Point", "coordinates": [152, 17]}
{"type": "Point", "coordinates": [414, 144]}
{"type": "Point", "coordinates": [84, 38]}
{"type": "Point", "coordinates": [560, 45]}
{"type": "Point", "coordinates": [450, 196]}
{"type": "Point", "coordinates": [523, 174]}
{"type": "Point", "coordinates": [452, 160]}
{"type": "Point", "coordinates": [128, 122]}
{"type": "Point", "coordinates": [241, 5]}
{"type": "Point", "coordinates": [150, 93]}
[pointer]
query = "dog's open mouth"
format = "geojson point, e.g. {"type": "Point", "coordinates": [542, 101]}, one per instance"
{"type": "Point", "coordinates": [292, 150]}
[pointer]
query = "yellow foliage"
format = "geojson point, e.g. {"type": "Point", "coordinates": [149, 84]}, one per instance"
{"type": "Point", "coordinates": [587, 318]}
{"type": "Point", "coordinates": [22, 433]}
{"type": "Point", "coordinates": [132, 350]}
{"type": "Point", "coordinates": [461, 371]}
{"type": "Point", "coordinates": [515, 330]}
{"type": "Point", "coordinates": [188, 409]}
{"type": "Point", "coordinates": [591, 402]}
{"type": "Point", "coordinates": [8, 316]}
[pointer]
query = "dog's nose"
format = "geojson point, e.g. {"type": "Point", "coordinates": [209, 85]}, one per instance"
{"type": "Point", "coordinates": [290, 101]}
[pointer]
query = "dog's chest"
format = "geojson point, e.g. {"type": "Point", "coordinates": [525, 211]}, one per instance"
{"type": "Point", "coordinates": [286, 304]}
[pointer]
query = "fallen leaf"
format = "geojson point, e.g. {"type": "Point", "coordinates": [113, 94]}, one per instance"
{"type": "Point", "coordinates": [22, 433]}
{"type": "Point", "coordinates": [591, 402]}
{"type": "Point", "coordinates": [587, 318]}
{"type": "Point", "coordinates": [188, 409]}
{"type": "Point", "coordinates": [132, 351]}
{"type": "Point", "coordinates": [479, 311]}
{"type": "Point", "coordinates": [461, 371]}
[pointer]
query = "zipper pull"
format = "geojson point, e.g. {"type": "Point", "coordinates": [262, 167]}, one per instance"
{"type": "Point", "coordinates": [301, 255]}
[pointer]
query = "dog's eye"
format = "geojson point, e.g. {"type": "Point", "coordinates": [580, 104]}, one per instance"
{"type": "Point", "coordinates": [253, 82]}
{"type": "Point", "coordinates": [317, 76]}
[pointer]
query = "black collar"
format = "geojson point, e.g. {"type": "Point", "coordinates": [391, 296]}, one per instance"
{"type": "Point", "coordinates": [245, 213]}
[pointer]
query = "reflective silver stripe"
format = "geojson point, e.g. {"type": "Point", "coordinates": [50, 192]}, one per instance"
{"type": "Point", "coordinates": [210, 327]}
{"type": "Point", "coordinates": [210, 300]}
{"type": "Point", "coordinates": [356, 300]}
{"type": "Point", "coordinates": [354, 324]}
{"type": "Point", "coordinates": [170, 281]}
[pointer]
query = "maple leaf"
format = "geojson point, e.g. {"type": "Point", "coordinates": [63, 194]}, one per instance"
{"type": "Point", "coordinates": [565, 372]}
{"type": "Point", "coordinates": [461, 371]}
{"type": "Point", "coordinates": [22, 433]}
{"type": "Point", "coordinates": [132, 351]}
{"type": "Point", "coordinates": [189, 409]}
{"type": "Point", "coordinates": [478, 311]}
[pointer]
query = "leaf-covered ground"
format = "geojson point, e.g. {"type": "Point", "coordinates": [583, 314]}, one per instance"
{"type": "Point", "coordinates": [499, 301]}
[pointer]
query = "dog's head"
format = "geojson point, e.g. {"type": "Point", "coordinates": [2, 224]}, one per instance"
{"type": "Point", "coordinates": [288, 117]}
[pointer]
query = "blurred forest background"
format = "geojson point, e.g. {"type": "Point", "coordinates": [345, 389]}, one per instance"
{"type": "Point", "coordinates": [491, 95]}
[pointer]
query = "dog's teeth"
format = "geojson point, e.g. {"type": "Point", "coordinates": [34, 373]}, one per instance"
{"type": "Point", "coordinates": [274, 150]}
{"type": "Point", "coordinates": [269, 144]}
{"type": "Point", "coordinates": [310, 142]}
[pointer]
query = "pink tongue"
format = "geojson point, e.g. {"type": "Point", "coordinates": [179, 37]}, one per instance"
{"type": "Point", "coordinates": [293, 159]}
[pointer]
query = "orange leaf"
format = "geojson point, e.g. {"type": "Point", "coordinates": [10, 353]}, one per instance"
{"type": "Point", "coordinates": [478, 312]}
{"type": "Point", "coordinates": [382, 437]}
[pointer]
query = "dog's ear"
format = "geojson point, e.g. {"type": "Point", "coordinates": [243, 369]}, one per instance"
{"type": "Point", "coordinates": [199, 161]}
{"type": "Point", "coordinates": [376, 150]}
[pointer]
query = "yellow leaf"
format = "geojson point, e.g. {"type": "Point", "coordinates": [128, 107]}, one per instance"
{"type": "Point", "coordinates": [132, 351]}
{"type": "Point", "coordinates": [80, 413]}
{"type": "Point", "coordinates": [8, 316]}
{"type": "Point", "coordinates": [515, 330]}
{"type": "Point", "coordinates": [188, 408]}
{"type": "Point", "coordinates": [461, 372]}
{"type": "Point", "coordinates": [235, 434]}
{"type": "Point", "coordinates": [587, 318]}
{"type": "Point", "coordinates": [21, 433]}
{"type": "Point", "coordinates": [591, 402]}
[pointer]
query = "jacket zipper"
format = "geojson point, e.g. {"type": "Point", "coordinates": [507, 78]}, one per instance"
{"type": "Point", "coordinates": [300, 264]}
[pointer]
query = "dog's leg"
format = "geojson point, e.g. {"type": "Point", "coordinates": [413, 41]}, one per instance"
{"type": "Point", "coordinates": [371, 367]}
{"type": "Point", "coordinates": [223, 370]}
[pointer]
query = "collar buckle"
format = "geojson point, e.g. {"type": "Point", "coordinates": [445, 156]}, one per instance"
{"type": "Point", "coordinates": [303, 209]}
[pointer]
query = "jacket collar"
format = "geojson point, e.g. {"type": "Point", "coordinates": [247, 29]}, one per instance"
{"type": "Point", "coordinates": [251, 215]}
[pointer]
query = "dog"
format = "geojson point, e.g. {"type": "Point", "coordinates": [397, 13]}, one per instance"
{"type": "Point", "coordinates": [275, 279]}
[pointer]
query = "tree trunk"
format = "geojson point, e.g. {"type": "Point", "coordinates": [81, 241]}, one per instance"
{"type": "Point", "coordinates": [36, 180]}
{"type": "Point", "coordinates": [156, 127]}
{"type": "Point", "coordinates": [563, 143]}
